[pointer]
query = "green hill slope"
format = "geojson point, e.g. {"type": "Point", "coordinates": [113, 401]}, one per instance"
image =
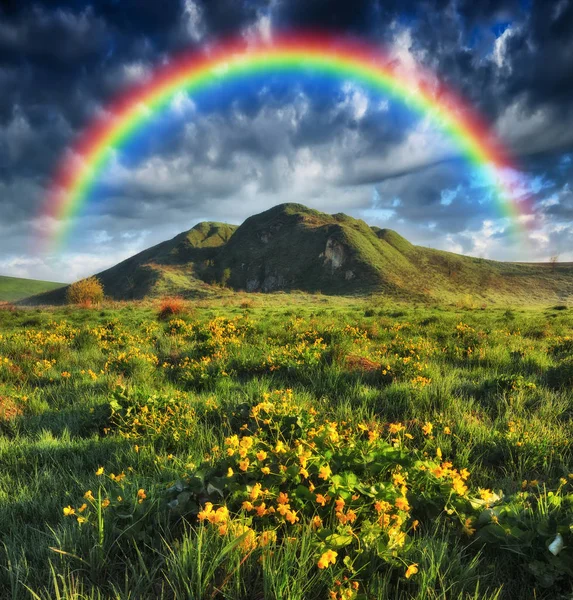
{"type": "Point", "coordinates": [292, 247]}
{"type": "Point", "coordinates": [167, 268]}
{"type": "Point", "coordinates": [13, 289]}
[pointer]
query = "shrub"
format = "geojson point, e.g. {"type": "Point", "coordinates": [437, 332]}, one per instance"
{"type": "Point", "coordinates": [170, 307]}
{"type": "Point", "coordinates": [9, 408]}
{"type": "Point", "coordinates": [165, 419]}
{"type": "Point", "coordinates": [467, 302]}
{"type": "Point", "coordinates": [85, 292]}
{"type": "Point", "coordinates": [225, 277]}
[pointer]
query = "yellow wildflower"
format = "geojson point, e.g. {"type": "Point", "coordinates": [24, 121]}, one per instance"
{"type": "Point", "coordinates": [459, 486]}
{"type": "Point", "coordinates": [255, 491]}
{"type": "Point", "coordinates": [427, 428]}
{"type": "Point", "coordinates": [486, 495]}
{"type": "Point", "coordinates": [267, 537]}
{"type": "Point", "coordinates": [396, 427]}
{"type": "Point", "coordinates": [207, 510]}
{"type": "Point", "coordinates": [411, 570]}
{"type": "Point", "coordinates": [382, 506]}
{"type": "Point", "coordinates": [69, 511]}
{"type": "Point", "coordinates": [468, 529]}
{"type": "Point", "coordinates": [100, 471]}
{"type": "Point", "coordinates": [291, 517]}
{"type": "Point", "coordinates": [327, 558]}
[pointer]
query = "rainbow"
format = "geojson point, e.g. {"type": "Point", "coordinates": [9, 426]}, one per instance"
{"type": "Point", "coordinates": [342, 59]}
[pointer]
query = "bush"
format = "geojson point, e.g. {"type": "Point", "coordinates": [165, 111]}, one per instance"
{"type": "Point", "coordinates": [225, 277]}
{"type": "Point", "coordinates": [170, 307]}
{"type": "Point", "coordinates": [85, 292]}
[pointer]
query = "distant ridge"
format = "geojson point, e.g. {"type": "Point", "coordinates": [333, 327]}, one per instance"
{"type": "Point", "coordinates": [292, 247]}
{"type": "Point", "coordinates": [13, 289]}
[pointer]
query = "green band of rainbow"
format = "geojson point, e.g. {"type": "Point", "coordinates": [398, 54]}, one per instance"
{"type": "Point", "coordinates": [80, 168]}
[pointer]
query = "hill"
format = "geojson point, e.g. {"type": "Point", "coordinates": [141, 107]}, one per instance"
{"type": "Point", "coordinates": [13, 289]}
{"type": "Point", "coordinates": [292, 247]}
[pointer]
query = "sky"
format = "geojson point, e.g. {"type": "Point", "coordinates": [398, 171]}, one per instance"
{"type": "Point", "coordinates": [333, 146]}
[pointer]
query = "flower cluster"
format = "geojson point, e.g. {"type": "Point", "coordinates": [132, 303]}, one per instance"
{"type": "Point", "coordinates": [286, 470]}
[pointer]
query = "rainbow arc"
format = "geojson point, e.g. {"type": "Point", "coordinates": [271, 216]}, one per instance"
{"type": "Point", "coordinates": [341, 59]}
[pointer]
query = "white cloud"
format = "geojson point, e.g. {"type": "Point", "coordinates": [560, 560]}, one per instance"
{"type": "Point", "coordinates": [448, 196]}
{"type": "Point", "coordinates": [499, 53]}
{"type": "Point", "coordinates": [182, 103]}
{"type": "Point", "coordinates": [193, 20]}
{"type": "Point", "coordinates": [355, 99]}
{"type": "Point", "coordinates": [135, 72]}
{"type": "Point", "coordinates": [101, 237]}
{"type": "Point", "coordinates": [261, 30]}
{"type": "Point", "coordinates": [423, 145]}
{"type": "Point", "coordinates": [532, 130]}
{"type": "Point", "coordinates": [17, 134]}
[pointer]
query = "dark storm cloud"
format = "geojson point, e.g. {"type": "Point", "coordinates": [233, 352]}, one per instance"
{"type": "Point", "coordinates": [62, 61]}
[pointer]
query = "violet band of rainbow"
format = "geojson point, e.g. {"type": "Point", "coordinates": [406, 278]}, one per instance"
{"type": "Point", "coordinates": [346, 60]}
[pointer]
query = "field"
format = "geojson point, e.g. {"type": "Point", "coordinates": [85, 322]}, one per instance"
{"type": "Point", "coordinates": [13, 289]}
{"type": "Point", "coordinates": [286, 447]}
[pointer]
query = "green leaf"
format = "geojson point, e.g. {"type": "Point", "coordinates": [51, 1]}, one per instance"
{"type": "Point", "coordinates": [338, 540]}
{"type": "Point", "coordinates": [211, 489]}
{"type": "Point", "coordinates": [304, 493]}
{"type": "Point", "coordinates": [115, 405]}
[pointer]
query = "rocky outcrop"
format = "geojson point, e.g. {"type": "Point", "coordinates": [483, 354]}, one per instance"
{"type": "Point", "coordinates": [334, 254]}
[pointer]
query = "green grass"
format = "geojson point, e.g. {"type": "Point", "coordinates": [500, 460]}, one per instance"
{"type": "Point", "coordinates": [15, 288]}
{"type": "Point", "coordinates": [81, 389]}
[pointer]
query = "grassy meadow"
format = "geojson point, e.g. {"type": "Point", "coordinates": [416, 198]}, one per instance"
{"type": "Point", "coordinates": [286, 447]}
